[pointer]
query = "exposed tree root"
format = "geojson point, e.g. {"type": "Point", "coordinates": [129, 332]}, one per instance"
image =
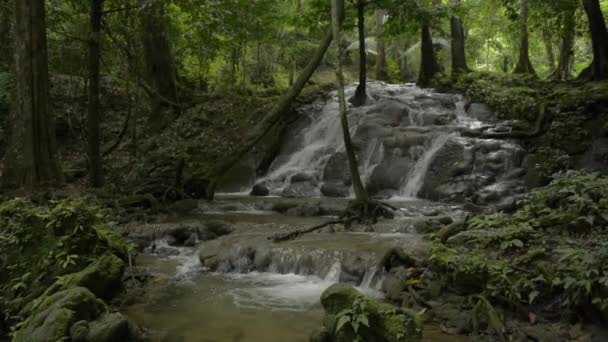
{"type": "Point", "coordinates": [362, 212]}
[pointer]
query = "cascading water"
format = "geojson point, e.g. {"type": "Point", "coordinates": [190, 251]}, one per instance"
{"type": "Point", "coordinates": [398, 137]}
{"type": "Point", "coordinates": [415, 179]}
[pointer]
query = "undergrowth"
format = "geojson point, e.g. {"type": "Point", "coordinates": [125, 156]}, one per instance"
{"type": "Point", "coordinates": [41, 243]}
{"type": "Point", "coordinates": [551, 255]}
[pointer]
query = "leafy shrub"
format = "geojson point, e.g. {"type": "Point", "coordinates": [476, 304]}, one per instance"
{"type": "Point", "coordinates": [553, 249]}
{"type": "Point", "coordinates": [40, 243]}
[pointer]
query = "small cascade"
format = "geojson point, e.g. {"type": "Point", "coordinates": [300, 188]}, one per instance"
{"type": "Point", "coordinates": [415, 179]}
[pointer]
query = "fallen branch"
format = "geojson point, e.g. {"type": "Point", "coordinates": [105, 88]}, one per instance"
{"type": "Point", "coordinates": [280, 237]}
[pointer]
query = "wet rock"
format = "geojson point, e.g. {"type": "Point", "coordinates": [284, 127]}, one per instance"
{"type": "Point", "coordinates": [166, 252]}
{"type": "Point", "coordinates": [260, 190]}
{"type": "Point", "coordinates": [427, 226]}
{"type": "Point", "coordinates": [395, 283]}
{"type": "Point", "coordinates": [334, 189]}
{"type": "Point", "coordinates": [302, 177]}
{"type": "Point", "coordinates": [481, 112]}
{"type": "Point", "coordinates": [111, 327]}
{"type": "Point", "coordinates": [300, 189]}
{"type": "Point", "coordinates": [183, 235]}
{"type": "Point", "coordinates": [388, 174]}
{"type": "Point", "coordinates": [336, 169]}
{"type": "Point", "coordinates": [396, 257]}
{"type": "Point", "coordinates": [386, 322]}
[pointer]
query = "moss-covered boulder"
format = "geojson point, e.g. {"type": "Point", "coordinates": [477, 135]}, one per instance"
{"type": "Point", "coordinates": [102, 277]}
{"type": "Point", "coordinates": [353, 316]}
{"type": "Point", "coordinates": [53, 316]}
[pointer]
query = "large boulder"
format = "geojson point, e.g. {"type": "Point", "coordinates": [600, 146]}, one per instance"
{"type": "Point", "coordinates": [386, 323]}
{"type": "Point", "coordinates": [52, 316]}
{"type": "Point", "coordinates": [102, 277]}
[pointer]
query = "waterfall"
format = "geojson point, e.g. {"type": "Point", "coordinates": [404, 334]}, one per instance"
{"type": "Point", "coordinates": [415, 179]}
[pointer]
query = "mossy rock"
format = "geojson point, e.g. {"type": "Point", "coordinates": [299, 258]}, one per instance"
{"type": "Point", "coordinates": [102, 277]}
{"type": "Point", "coordinates": [53, 316]}
{"type": "Point", "coordinates": [387, 323]}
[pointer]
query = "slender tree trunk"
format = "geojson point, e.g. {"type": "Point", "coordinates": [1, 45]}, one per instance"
{"type": "Point", "coordinates": [566, 54]}
{"type": "Point", "coordinates": [548, 41]}
{"type": "Point", "coordinates": [361, 194]}
{"type": "Point", "coordinates": [524, 66]}
{"type": "Point", "coordinates": [361, 92]}
{"type": "Point", "coordinates": [93, 136]}
{"type": "Point", "coordinates": [160, 66]}
{"type": "Point", "coordinates": [381, 73]}
{"type": "Point", "coordinates": [429, 67]}
{"type": "Point", "coordinates": [459, 59]}
{"type": "Point", "coordinates": [30, 160]}
{"type": "Point", "coordinates": [257, 133]}
{"type": "Point", "coordinates": [599, 37]}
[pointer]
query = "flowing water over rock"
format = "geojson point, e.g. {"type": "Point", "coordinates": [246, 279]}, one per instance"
{"type": "Point", "coordinates": [409, 144]}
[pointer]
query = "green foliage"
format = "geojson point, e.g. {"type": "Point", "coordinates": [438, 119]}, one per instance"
{"type": "Point", "coordinates": [40, 243]}
{"type": "Point", "coordinates": [564, 229]}
{"type": "Point", "coordinates": [349, 321]}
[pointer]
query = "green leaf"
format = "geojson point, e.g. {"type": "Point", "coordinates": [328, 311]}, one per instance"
{"type": "Point", "coordinates": [342, 321]}
{"type": "Point", "coordinates": [532, 296]}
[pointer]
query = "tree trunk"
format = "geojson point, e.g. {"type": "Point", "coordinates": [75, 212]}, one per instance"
{"type": "Point", "coordinates": [6, 34]}
{"type": "Point", "coordinates": [160, 67]}
{"type": "Point", "coordinates": [361, 194]}
{"type": "Point", "coordinates": [93, 133]}
{"type": "Point", "coordinates": [524, 66]}
{"type": "Point", "coordinates": [429, 67]}
{"type": "Point", "coordinates": [381, 73]}
{"type": "Point", "coordinates": [360, 97]}
{"type": "Point", "coordinates": [459, 59]}
{"type": "Point", "coordinates": [263, 127]}
{"type": "Point", "coordinates": [30, 160]}
{"type": "Point", "coordinates": [599, 37]}
{"type": "Point", "coordinates": [566, 54]}
{"type": "Point", "coordinates": [548, 41]}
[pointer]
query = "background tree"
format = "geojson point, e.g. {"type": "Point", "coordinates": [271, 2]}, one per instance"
{"type": "Point", "coordinates": [599, 37]}
{"type": "Point", "coordinates": [360, 97]}
{"type": "Point", "coordinates": [459, 55]}
{"type": "Point", "coordinates": [30, 160]}
{"type": "Point", "coordinates": [93, 118]}
{"type": "Point", "coordinates": [524, 66]}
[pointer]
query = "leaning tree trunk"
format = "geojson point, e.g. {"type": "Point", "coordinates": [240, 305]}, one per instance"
{"type": "Point", "coordinates": [381, 73]}
{"type": "Point", "coordinates": [429, 67]}
{"type": "Point", "coordinates": [282, 108]}
{"type": "Point", "coordinates": [160, 67]}
{"type": "Point", "coordinates": [524, 66]}
{"type": "Point", "coordinates": [93, 118]}
{"type": "Point", "coordinates": [459, 59]}
{"type": "Point", "coordinates": [361, 92]}
{"type": "Point", "coordinates": [599, 37]}
{"type": "Point", "coordinates": [30, 160]}
{"type": "Point", "coordinates": [361, 194]}
{"type": "Point", "coordinates": [566, 53]}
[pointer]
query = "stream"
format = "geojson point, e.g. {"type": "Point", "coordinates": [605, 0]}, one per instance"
{"type": "Point", "coordinates": [242, 287]}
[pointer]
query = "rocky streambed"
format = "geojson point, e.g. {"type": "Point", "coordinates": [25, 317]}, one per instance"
{"type": "Point", "coordinates": [242, 287]}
